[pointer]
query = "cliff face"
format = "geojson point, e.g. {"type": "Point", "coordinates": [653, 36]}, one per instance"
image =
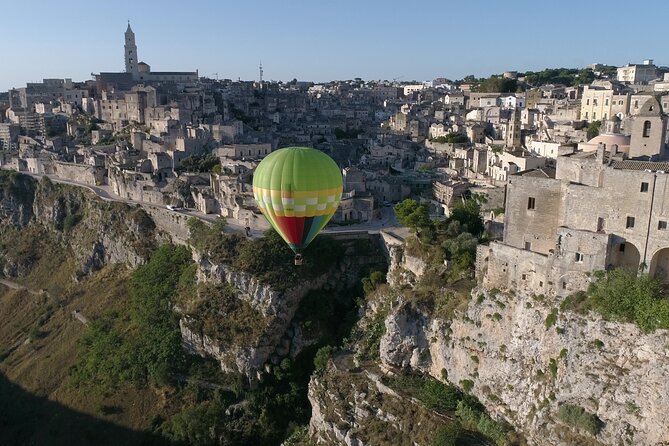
{"type": "Point", "coordinates": [274, 312]}
{"type": "Point", "coordinates": [94, 232]}
{"type": "Point", "coordinates": [524, 359]}
{"type": "Point", "coordinates": [272, 331]}
{"type": "Point", "coordinates": [352, 406]}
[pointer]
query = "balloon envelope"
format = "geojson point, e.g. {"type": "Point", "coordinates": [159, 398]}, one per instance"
{"type": "Point", "coordinates": [298, 189]}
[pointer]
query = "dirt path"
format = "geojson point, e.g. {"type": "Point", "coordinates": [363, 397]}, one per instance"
{"type": "Point", "coordinates": [18, 286]}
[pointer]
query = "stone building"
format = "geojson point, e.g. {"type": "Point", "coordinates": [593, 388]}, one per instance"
{"type": "Point", "coordinates": [638, 73]}
{"type": "Point", "coordinates": [447, 194]}
{"type": "Point", "coordinates": [248, 151]}
{"type": "Point", "coordinates": [595, 211]}
{"type": "Point", "coordinates": [9, 134]}
{"type": "Point", "coordinates": [648, 131]}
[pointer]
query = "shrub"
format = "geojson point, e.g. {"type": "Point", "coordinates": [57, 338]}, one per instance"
{"type": "Point", "coordinates": [553, 367]}
{"type": "Point", "coordinates": [467, 385]}
{"type": "Point", "coordinates": [597, 343]}
{"type": "Point", "coordinates": [370, 283]}
{"type": "Point", "coordinates": [321, 359]}
{"type": "Point", "coordinates": [623, 296]}
{"type": "Point", "coordinates": [148, 347]}
{"type": "Point", "coordinates": [580, 418]}
{"type": "Point", "coordinates": [447, 435]}
{"type": "Point", "coordinates": [438, 396]}
{"type": "Point", "coordinates": [70, 222]}
{"type": "Point", "coordinates": [551, 319]}
{"type": "Point", "coordinates": [472, 415]}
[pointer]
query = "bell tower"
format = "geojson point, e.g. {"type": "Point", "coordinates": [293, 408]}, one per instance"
{"type": "Point", "coordinates": [130, 52]}
{"type": "Point", "coordinates": [513, 139]}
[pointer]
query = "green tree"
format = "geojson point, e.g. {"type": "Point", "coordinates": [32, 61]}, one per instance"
{"type": "Point", "coordinates": [447, 435]}
{"type": "Point", "coordinates": [412, 214]}
{"type": "Point", "coordinates": [468, 215]}
{"type": "Point", "coordinates": [593, 129]}
{"type": "Point", "coordinates": [321, 359]}
{"type": "Point", "coordinates": [624, 296]}
{"type": "Point", "coordinates": [370, 283]}
{"type": "Point", "coordinates": [580, 418]}
{"type": "Point", "coordinates": [498, 84]}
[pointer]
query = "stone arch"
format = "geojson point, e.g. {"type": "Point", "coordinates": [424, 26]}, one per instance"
{"type": "Point", "coordinates": [626, 256]}
{"type": "Point", "coordinates": [659, 265]}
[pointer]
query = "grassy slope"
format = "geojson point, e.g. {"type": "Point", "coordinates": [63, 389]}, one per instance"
{"type": "Point", "coordinates": [40, 366]}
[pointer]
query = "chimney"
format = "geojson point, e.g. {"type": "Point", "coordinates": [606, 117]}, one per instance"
{"type": "Point", "coordinates": [601, 148]}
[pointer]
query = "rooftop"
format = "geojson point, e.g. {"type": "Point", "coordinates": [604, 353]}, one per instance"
{"type": "Point", "coordinates": [652, 166]}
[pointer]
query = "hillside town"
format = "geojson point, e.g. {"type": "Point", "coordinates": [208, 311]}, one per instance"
{"type": "Point", "coordinates": [544, 151]}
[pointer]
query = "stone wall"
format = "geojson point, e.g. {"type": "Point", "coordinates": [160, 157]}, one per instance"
{"type": "Point", "coordinates": [80, 173]}
{"type": "Point", "coordinates": [532, 225]}
{"type": "Point", "coordinates": [171, 222]}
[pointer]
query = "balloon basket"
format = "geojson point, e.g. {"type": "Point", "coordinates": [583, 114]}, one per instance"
{"type": "Point", "coordinates": [299, 259]}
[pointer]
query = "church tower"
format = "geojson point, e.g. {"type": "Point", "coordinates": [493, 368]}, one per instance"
{"type": "Point", "coordinates": [513, 139]}
{"type": "Point", "coordinates": [130, 52]}
{"type": "Point", "coordinates": [648, 131]}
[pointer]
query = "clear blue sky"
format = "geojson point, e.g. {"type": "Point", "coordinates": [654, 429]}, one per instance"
{"type": "Point", "coordinates": [326, 39]}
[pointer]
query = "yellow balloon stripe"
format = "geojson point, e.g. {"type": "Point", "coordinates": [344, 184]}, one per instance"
{"type": "Point", "coordinates": [278, 194]}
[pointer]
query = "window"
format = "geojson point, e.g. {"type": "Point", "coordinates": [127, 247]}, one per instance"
{"type": "Point", "coordinates": [630, 222]}
{"type": "Point", "coordinates": [636, 104]}
{"type": "Point", "coordinates": [606, 102]}
{"type": "Point", "coordinates": [600, 224]}
{"type": "Point", "coordinates": [578, 257]}
{"type": "Point", "coordinates": [662, 225]}
{"type": "Point", "coordinates": [587, 102]}
{"type": "Point", "coordinates": [564, 285]}
{"type": "Point", "coordinates": [524, 276]}
{"type": "Point", "coordinates": [646, 129]}
{"type": "Point", "coordinates": [530, 203]}
{"type": "Point", "coordinates": [622, 247]}
{"type": "Point", "coordinates": [644, 187]}
{"type": "Point", "coordinates": [594, 115]}
{"type": "Point", "coordinates": [528, 246]}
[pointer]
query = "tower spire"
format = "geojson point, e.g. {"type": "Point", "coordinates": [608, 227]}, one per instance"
{"type": "Point", "coordinates": [130, 48]}
{"type": "Point", "coordinates": [261, 71]}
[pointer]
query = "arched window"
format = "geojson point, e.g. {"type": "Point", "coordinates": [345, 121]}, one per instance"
{"type": "Point", "coordinates": [646, 129]}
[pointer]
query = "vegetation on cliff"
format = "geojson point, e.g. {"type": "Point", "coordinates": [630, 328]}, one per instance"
{"type": "Point", "coordinates": [142, 346]}
{"type": "Point", "coordinates": [269, 258]}
{"type": "Point", "coordinates": [619, 295]}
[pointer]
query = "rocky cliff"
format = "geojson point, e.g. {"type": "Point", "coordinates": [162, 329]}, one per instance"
{"type": "Point", "coordinates": [527, 360]}
{"type": "Point", "coordinates": [94, 232]}
{"type": "Point", "coordinates": [352, 406]}
{"type": "Point", "coordinates": [558, 377]}
{"type": "Point", "coordinates": [271, 310]}
{"type": "Point", "coordinates": [272, 331]}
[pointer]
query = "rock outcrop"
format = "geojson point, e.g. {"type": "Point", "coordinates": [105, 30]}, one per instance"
{"type": "Point", "coordinates": [92, 231]}
{"type": "Point", "coordinates": [523, 358]}
{"type": "Point", "coordinates": [352, 406]}
{"type": "Point", "coordinates": [276, 335]}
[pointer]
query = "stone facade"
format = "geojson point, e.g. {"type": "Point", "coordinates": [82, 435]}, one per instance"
{"type": "Point", "coordinates": [597, 213]}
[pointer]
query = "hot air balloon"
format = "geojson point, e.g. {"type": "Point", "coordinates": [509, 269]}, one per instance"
{"type": "Point", "coordinates": [298, 189]}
